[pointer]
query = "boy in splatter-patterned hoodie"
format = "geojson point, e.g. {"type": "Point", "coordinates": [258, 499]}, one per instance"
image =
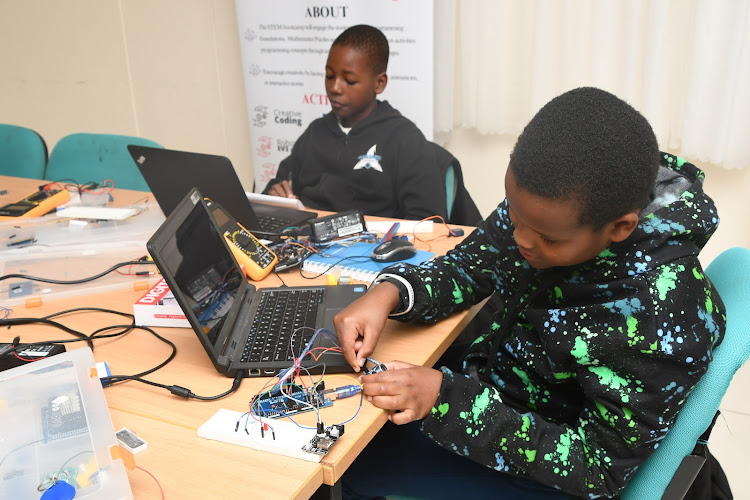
{"type": "Point", "coordinates": [607, 320]}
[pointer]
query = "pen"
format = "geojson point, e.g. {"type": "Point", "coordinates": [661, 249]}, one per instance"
{"type": "Point", "coordinates": [390, 232]}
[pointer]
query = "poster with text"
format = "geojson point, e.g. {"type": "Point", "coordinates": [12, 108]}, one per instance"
{"type": "Point", "coordinates": [284, 50]}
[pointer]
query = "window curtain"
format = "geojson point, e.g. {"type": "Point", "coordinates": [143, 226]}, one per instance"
{"type": "Point", "coordinates": [685, 64]}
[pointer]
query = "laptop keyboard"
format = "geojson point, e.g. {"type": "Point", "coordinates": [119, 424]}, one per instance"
{"type": "Point", "coordinates": [279, 314]}
{"type": "Point", "coordinates": [271, 224]}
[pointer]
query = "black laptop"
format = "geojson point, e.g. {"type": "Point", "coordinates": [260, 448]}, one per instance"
{"type": "Point", "coordinates": [259, 331]}
{"type": "Point", "coordinates": [172, 174]}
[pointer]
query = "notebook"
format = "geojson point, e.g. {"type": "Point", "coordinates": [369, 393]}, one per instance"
{"type": "Point", "coordinates": [228, 314]}
{"type": "Point", "coordinates": [171, 174]}
{"type": "Point", "coordinates": [354, 260]}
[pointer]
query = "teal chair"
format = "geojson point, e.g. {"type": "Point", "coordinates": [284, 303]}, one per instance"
{"type": "Point", "coordinates": [670, 471]}
{"type": "Point", "coordinates": [84, 158]}
{"type": "Point", "coordinates": [460, 207]}
{"type": "Point", "coordinates": [23, 152]}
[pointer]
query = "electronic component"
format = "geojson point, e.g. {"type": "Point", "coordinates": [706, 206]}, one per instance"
{"type": "Point", "coordinates": [324, 439]}
{"type": "Point", "coordinates": [298, 400]}
{"type": "Point", "coordinates": [337, 225]}
{"type": "Point", "coordinates": [290, 438]}
{"type": "Point", "coordinates": [26, 353]}
{"type": "Point", "coordinates": [255, 258]}
{"type": "Point", "coordinates": [35, 204]}
{"type": "Point", "coordinates": [63, 416]}
{"type": "Point", "coordinates": [379, 367]}
{"type": "Point", "coordinates": [345, 391]}
{"type": "Point", "coordinates": [130, 441]}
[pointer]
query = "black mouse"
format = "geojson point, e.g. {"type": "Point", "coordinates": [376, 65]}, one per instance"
{"type": "Point", "coordinates": [393, 250]}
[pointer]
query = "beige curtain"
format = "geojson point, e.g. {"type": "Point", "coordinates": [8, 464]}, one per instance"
{"type": "Point", "coordinates": [685, 64]}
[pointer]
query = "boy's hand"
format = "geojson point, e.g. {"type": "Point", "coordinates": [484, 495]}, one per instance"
{"type": "Point", "coordinates": [283, 189]}
{"type": "Point", "coordinates": [359, 325]}
{"type": "Point", "coordinates": [413, 390]}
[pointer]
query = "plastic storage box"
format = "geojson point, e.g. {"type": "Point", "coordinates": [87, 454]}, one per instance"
{"type": "Point", "coordinates": [54, 423]}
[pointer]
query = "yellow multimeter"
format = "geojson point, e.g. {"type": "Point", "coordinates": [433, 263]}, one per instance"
{"type": "Point", "coordinates": [36, 204]}
{"type": "Point", "coordinates": [254, 257]}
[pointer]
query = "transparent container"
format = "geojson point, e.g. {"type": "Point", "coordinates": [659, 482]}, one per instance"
{"type": "Point", "coordinates": [54, 423]}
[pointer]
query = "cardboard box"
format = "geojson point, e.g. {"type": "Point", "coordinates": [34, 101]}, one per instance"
{"type": "Point", "coordinates": [158, 307]}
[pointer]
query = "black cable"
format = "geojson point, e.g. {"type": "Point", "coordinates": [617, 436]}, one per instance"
{"type": "Point", "coordinates": [95, 335]}
{"type": "Point", "coordinates": [48, 321]}
{"type": "Point", "coordinates": [114, 379]}
{"type": "Point", "coordinates": [31, 321]}
{"type": "Point", "coordinates": [78, 281]}
{"type": "Point", "coordinates": [182, 391]}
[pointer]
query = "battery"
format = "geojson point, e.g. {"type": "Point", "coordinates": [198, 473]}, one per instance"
{"type": "Point", "coordinates": [26, 354]}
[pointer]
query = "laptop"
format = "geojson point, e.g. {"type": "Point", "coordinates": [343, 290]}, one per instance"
{"type": "Point", "coordinates": [172, 174]}
{"type": "Point", "coordinates": [259, 331]}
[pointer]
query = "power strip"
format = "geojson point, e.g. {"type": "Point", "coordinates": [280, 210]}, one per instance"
{"type": "Point", "coordinates": [405, 227]}
{"type": "Point", "coordinates": [288, 440]}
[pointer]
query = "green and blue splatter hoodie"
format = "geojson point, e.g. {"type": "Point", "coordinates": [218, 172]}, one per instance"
{"type": "Point", "coordinates": [583, 369]}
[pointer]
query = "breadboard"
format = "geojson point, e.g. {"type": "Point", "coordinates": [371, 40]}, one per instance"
{"type": "Point", "coordinates": [289, 438]}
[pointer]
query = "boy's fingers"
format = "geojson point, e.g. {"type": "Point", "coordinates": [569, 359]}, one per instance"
{"type": "Point", "coordinates": [349, 349]}
{"type": "Point", "coordinates": [403, 417]}
{"type": "Point", "coordinates": [398, 365]}
{"type": "Point", "coordinates": [285, 189]}
{"type": "Point", "coordinates": [390, 403]}
{"type": "Point", "coordinates": [367, 348]}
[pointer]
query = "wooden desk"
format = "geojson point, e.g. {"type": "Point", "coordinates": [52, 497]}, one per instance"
{"type": "Point", "coordinates": [173, 421]}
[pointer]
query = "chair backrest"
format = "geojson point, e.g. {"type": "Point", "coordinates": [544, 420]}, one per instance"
{"type": "Point", "coordinates": [23, 152]}
{"type": "Point", "coordinates": [730, 274]}
{"type": "Point", "coordinates": [460, 206]}
{"type": "Point", "coordinates": [84, 157]}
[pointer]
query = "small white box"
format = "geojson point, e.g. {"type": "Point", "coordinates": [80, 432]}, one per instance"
{"type": "Point", "coordinates": [158, 307]}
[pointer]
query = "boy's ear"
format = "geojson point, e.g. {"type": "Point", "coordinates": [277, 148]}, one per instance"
{"type": "Point", "coordinates": [623, 227]}
{"type": "Point", "coordinates": [380, 82]}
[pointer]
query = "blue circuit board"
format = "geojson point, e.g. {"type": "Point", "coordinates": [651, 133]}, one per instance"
{"type": "Point", "coordinates": [294, 400]}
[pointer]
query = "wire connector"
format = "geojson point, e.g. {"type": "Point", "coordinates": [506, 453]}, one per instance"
{"type": "Point", "coordinates": [180, 391]}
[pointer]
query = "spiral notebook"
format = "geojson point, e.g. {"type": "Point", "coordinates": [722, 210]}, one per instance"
{"type": "Point", "coordinates": [354, 260]}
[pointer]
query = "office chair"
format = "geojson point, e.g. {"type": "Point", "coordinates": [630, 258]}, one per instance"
{"type": "Point", "coordinates": [23, 152]}
{"type": "Point", "coordinates": [84, 157]}
{"type": "Point", "coordinates": [670, 471]}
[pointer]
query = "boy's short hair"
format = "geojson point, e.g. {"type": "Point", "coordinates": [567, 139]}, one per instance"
{"type": "Point", "coordinates": [369, 40]}
{"type": "Point", "coordinates": [592, 147]}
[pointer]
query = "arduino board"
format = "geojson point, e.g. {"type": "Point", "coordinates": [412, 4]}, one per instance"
{"type": "Point", "coordinates": [275, 404]}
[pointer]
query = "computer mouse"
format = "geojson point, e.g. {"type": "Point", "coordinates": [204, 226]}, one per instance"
{"type": "Point", "coordinates": [394, 250]}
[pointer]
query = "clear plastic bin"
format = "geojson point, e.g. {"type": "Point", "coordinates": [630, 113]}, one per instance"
{"type": "Point", "coordinates": [54, 422]}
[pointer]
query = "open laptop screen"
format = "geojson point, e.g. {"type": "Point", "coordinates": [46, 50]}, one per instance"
{"type": "Point", "coordinates": [203, 270]}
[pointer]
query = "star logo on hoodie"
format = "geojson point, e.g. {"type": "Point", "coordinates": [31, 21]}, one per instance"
{"type": "Point", "coordinates": [369, 160]}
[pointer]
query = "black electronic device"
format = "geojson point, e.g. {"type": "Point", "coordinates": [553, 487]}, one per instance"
{"type": "Point", "coordinates": [241, 327]}
{"type": "Point", "coordinates": [255, 258]}
{"type": "Point", "coordinates": [26, 353]}
{"type": "Point", "coordinates": [337, 225]}
{"type": "Point", "coordinates": [173, 174]}
{"type": "Point", "coordinates": [394, 250]}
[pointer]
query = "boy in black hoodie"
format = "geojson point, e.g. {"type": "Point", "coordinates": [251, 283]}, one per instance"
{"type": "Point", "coordinates": [608, 321]}
{"type": "Point", "coordinates": [363, 154]}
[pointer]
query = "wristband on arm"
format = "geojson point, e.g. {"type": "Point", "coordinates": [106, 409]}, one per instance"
{"type": "Point", "coordinates": [405, 292]}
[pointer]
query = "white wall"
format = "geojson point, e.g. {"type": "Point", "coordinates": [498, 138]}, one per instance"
{"type": "Point", "coordinates": [170, 70]}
